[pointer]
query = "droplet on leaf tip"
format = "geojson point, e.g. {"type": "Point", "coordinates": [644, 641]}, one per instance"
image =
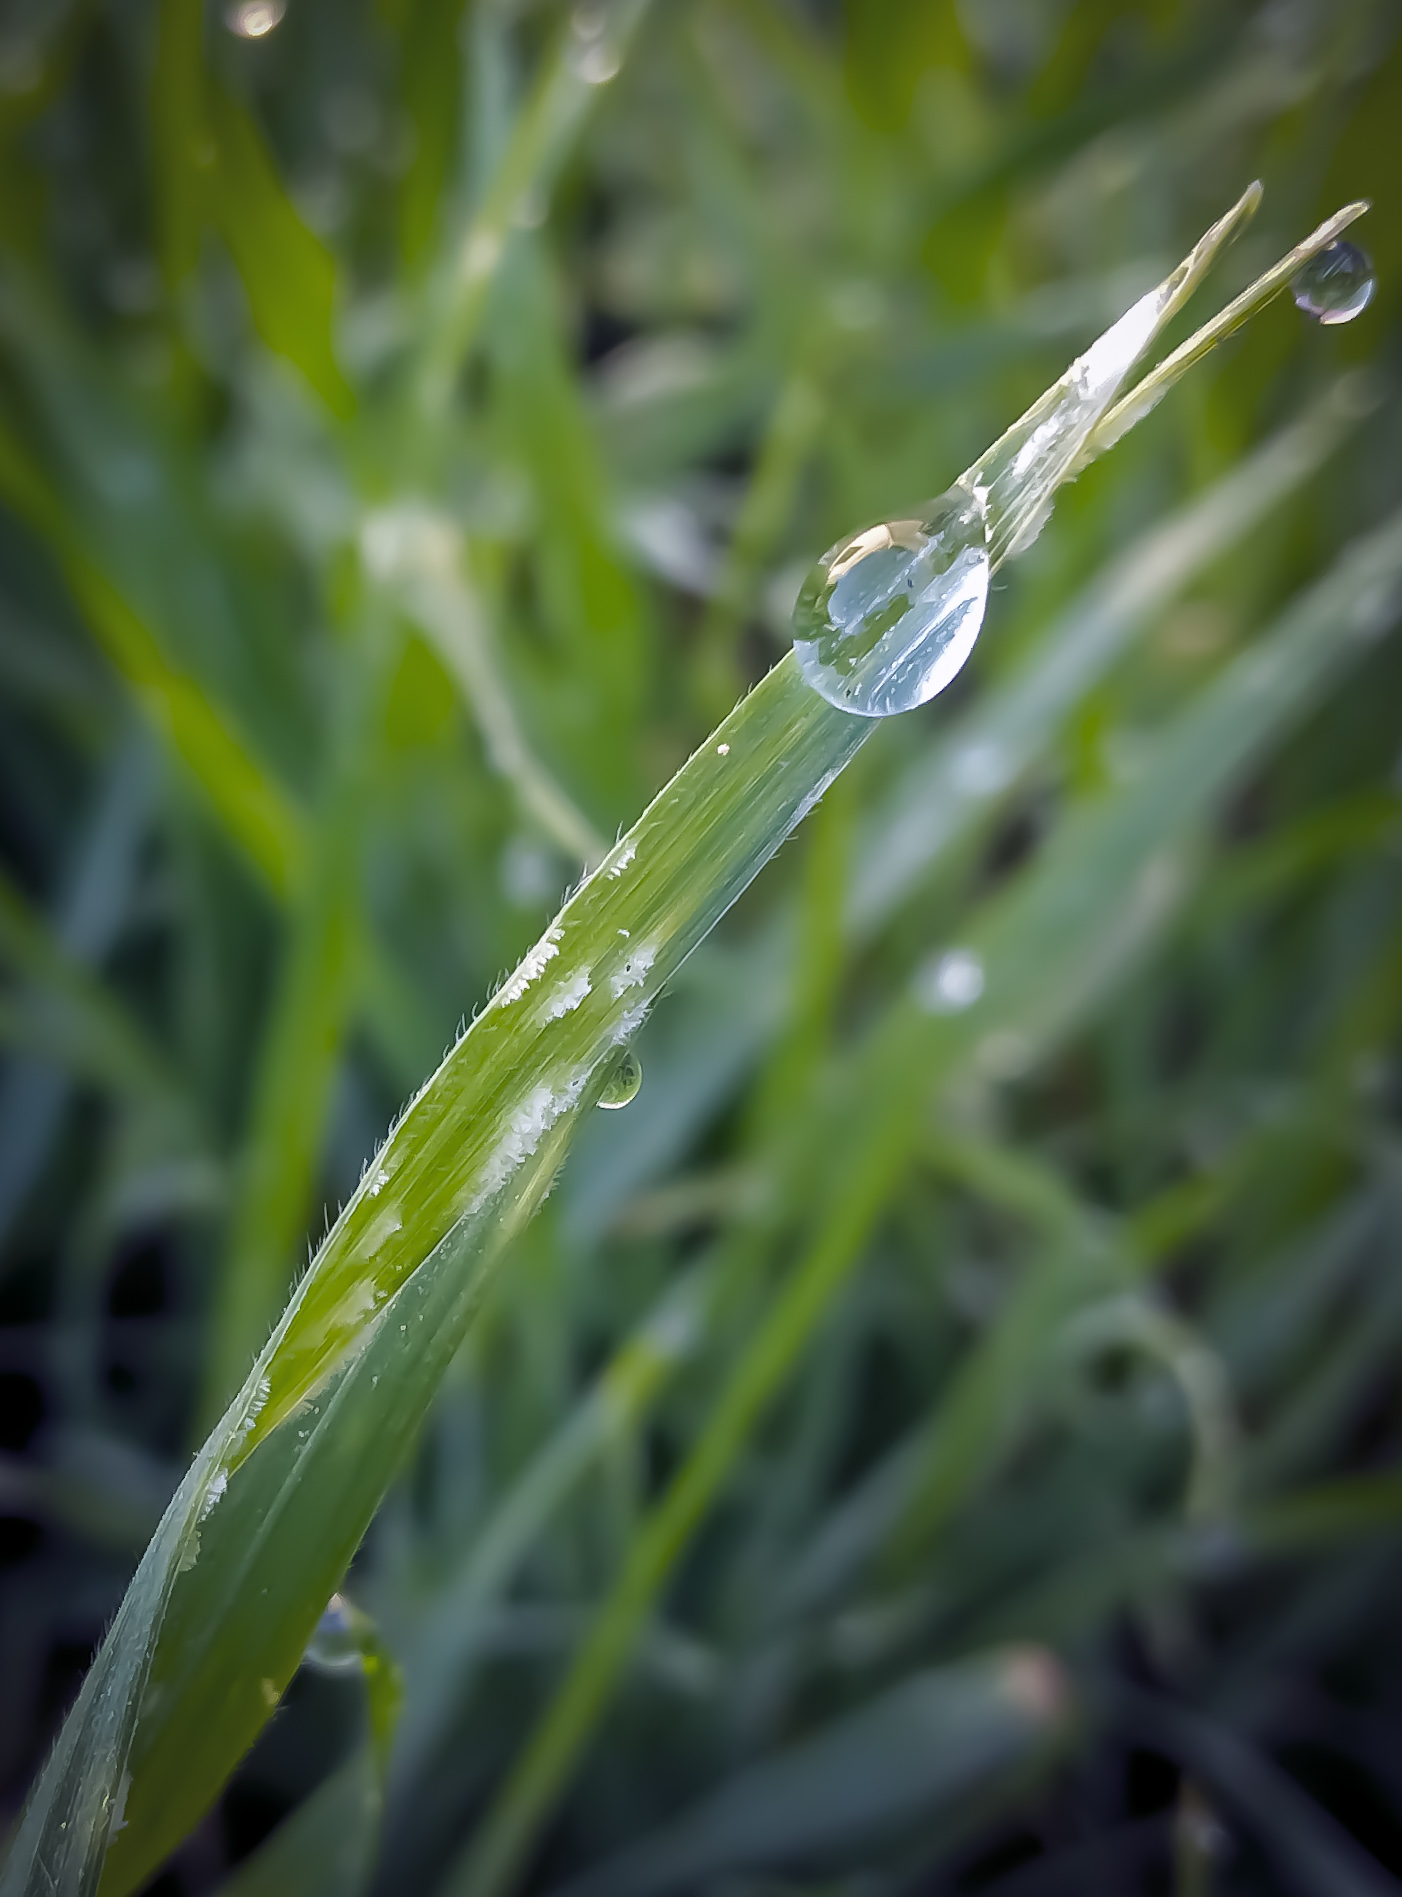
{"type": "Point", "coordinates": [1336, 285]}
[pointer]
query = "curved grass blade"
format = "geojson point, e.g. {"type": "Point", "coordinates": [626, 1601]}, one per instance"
{"type": "Point", "coordinates": [266, 1520]}
{"type": "Point", "coordinates": [236, 1576]}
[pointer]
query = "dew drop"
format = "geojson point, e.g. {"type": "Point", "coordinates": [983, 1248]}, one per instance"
{"type": "Point", "coordinates": [337, 1644]}
{"type": "Point", "coordinates": [623, 1083]}
{"type": "Point", "coordinates": [888, 616]}
{"type": "Point", "coordinates": [981, 769]}
{"type": "Point", "coordinates": [951, 983]}
{"type": "Point", "coordinates": [254, 19]}
{"type": "Point", "coordinates": [1336, 285]}
{"type": "Point", "coordinates": [596, 65]}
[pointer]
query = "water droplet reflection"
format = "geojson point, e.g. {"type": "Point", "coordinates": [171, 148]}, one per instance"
{"type": "Point", "coordinates": [952, 982]}
{"type": "Point", "coordinates": [1335, 286]}
{"type": "Point", "coordinates": [254, 19]}
{"type": "Point", "coordinates": [623, 1083]}
{"type": "Point", "coordinates": [888, 616]}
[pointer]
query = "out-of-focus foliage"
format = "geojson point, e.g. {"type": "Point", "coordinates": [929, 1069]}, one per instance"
{"type": "Point", "coordinates": [942, 1435]}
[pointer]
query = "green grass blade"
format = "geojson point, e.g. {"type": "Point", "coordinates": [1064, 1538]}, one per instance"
{"type": "Point", "coordinates": [439, 1657]}
{"type": "Point", "coordinates": [306, 1026]}
{"type": "Point", "coordinates": [214, 166]}
{"type": "Point", "coordinates": [88, 1025]}
{"type": "Point", "coordinates": [181, 140]}
{"type": "Point", "coordinates": [422, 557]}
{"type": "Point", "coordinates": [236, 1575]}
{"type": "Point", "coordinates": [267, 1518]}
{"type": "Point", "coordinates": [430, 87]}
{"type": "Point", "coordinates": [325, 1848]}
{"type": "Point", "coordinates": [251, 806]}
{"type": "Point", "coordinates": [586, 56]}
{"type": "Point", "coordinates": [921, 1754]}
{"type": "Point", "coordinates": [288, 273]}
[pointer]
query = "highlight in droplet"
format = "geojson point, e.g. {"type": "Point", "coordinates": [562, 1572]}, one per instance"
{"type": "Point", "coordinates": [254, 19]}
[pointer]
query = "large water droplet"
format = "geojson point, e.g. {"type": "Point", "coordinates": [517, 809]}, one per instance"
{"type": "Point", "coordinates": [338, 1644]}
{"type": "Point", "coordinates": [623, 1083]}
{"type": "Point", "coordinates": [1336, 285]}
{"type": "Point", "coordinates": [887, 616]}
{"type": "Point", "coordinates": [254, 19]}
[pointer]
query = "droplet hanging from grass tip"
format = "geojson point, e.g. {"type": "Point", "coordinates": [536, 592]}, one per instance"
{"type": "Point", "coordinates": [337, 1644]}
{"type": "Point", "coordinates": [623, 1083]}
{"type": "Point", "coordinates": [1336, 285]}
{"type": "Point", "coordinates": [888, 616]}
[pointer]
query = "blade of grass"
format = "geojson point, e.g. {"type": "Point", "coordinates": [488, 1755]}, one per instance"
{"type": "Point", "coordinates": [931, 1751]}
{"type": "Point", "coordinates": [90, 914]}
{"type": "Point", "coordinates": [105, 1037]}
{"type": "Point", "coordinates": [306, 1024]}
{"type": "Point", "coordinates": [586, 56]}
{"type": "Point", "coordinates": [254, 810]}
{"type": "Point", "coordinates": [920, 1483]}
{"type": "Point", "coordinates": [214, 166]}
{"type": "Point", "coordinates": [438, 1660]}
{"type": "Point", "coordinates": [1314, 1855]}
{"type": "Point", "coordinates": [596, 678]}
{"type": "Point", "coordinates": [288, 273]}
{"type": "Point", "coordinates": [469, 1162]}
{"type": "Point", "coordinates": [421, 555]}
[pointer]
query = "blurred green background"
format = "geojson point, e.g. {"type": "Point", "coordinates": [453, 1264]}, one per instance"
{"type": "Point", "coordinates": [416, 417]}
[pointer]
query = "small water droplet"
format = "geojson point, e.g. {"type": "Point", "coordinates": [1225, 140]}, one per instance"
{"type": "Point", "coordinates": [1335, 286]}
{"type": "Point", "coordinates": [254, 19]}
{"type": "Point", "coordinates": [888, 616]}
{"type": "Point", "coordinates": [337, 1644]}
{"type": "Point", "coordinates": [951, 983]}
{"type": "Point", "coordinates": [596, 63]}
{"type": "Point", "coordinates": [981, 769]}
{"type": "Point", "coordinates": [623, 1083]}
